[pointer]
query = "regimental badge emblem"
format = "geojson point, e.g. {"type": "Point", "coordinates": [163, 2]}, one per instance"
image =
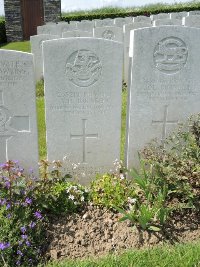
{"type": "Point", "coordinates": [170, 55]}
{"type": "Point", "coordinates": [108, 35]}
{"type": "Point", "coordinates": [83, 68]}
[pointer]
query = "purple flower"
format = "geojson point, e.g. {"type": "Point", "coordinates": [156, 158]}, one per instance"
{"type": "Point", "coordinates": [4, 246]}
{"type": "Point", "coordinates": [28, 200]}
{"type": "Point", "coordinates": [19, 252]}
{"type": "Point", "coordinates": [8, 206]}
{"type": "Point", "coordinates": [32, 225]}
{"type": "Point", "coordinates": [7, 185]}
{"type": "Point", "coordinates": [2, 202]}
{"type": "Point", "coordinates": [23, 229]}
{"type": "Point", "coordinates": [28, 243]}
{"type": "Point", "coordinates": [24, 236]}
{"type": "Point", "coordinates": [38, 215]}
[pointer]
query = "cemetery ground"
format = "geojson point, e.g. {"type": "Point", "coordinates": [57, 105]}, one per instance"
{"type": "Point", "coordinates": [56, 219]}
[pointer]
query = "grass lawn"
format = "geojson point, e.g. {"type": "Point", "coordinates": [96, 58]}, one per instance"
{"type": "Point", "coordinates": [187, 255]}
{"type": "Point", "coordinates": [19, 46]}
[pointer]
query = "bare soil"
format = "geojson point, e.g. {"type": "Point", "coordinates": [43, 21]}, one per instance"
{"type": "Point", "coordinates": [96, 231]}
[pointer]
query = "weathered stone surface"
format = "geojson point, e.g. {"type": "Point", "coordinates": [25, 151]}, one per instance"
{"type": "Point", "coordinates": [18, 127]}
{"type": "Point", "coordinates": [52, 10]}
{"type": "Point", "coordinates": [83, 83]}
{"type": "Point", "coordinates": [104, 22]}
{"type": "Point", "coordinates": [194, 12]}
{"type": "Point", "coordinates": [192, 21]}
{"type": "Point", "coordinates": [178, 15]}
{"type": "Point", "coordinates": [76, 33]}
{"type": "Point", "coordinates": [160, 16]}
{"type": "Point", "coordinates": [164, 84]}
{"type": "Point", "coordinates": [142, 19]}
{"type": "Point", "coordinates": [85, 26]}
{"type": "Point", "coordinates": [110, 33]}
{"type": "Point", "coordinates": [161, 22]}
{"type": "Point", "coordinates": [120, 22]}
{"type": "Point", "coordinates": [36, 50]}
{"type": "Point", "coordinates": [127, 29]}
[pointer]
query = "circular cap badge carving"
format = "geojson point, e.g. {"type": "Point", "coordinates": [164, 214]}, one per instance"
{"type": "Point", "coordinates": [108, 35]}
{"type": "Point", "coordinates": [83, 68]}
{"type": "Point", "coordinates": [170, 55]}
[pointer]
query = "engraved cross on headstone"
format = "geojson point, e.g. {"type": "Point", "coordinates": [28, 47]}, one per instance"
{"type": "Point", "coordinates": [164, 123]}
{"type": "Point", "coordinates": [9, 127]}
{"type": "Point", "coordinates": [84, 137]}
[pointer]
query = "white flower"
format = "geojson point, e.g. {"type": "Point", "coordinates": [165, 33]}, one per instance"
{"type": "Point", "coordinates": [82, 198]}
{"type": "Point", "coordinates": [132, 200]}
{"type": "Point", "coordinates": [71, 197]}
{"type": "Point", "coordinates": [121, 176]}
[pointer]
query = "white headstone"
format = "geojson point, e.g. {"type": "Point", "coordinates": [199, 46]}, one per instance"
{"type": "Point", "coordinates": [36, 50]}
{"type": "Point", "coordinates": [46, 29]}
{"type": "Point", "coordinates": [160, 16]}
{"type": "Point", "coordinates": [161, 22]}
{"type": "Point", "coordinates": [77, 33]}
{"type": "Point", "coordinates": [104, 22]}
{"type": "Point", "coordinates": [164, 84]}
{"type": "Point", "coordinates": [18, 126]}
{"type": "Point", "coordinates": [192, 21]}
{"type": "Point", "coordinates": [178, 15]}
{"type": "Point", "coordinates": [194, 12]}
{"type": "Point", "coordinates": [83, 86]}
{"type": "Point", "coordinates": [110, 33]}
{"type": "Point", "coordinates": [142, 19]}
{"type": "Point", "coordinates": [127, 29]}
{"type": "Point", "coordinates": [63, 27]}
{"type": "Point", "coordinates": [120, 22]}
{"type": "Point", "coordinates": [85, 26]}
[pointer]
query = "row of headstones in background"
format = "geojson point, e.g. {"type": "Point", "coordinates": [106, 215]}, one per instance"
{"type": "Point", "coordinates": [110, 32]}
{"type": "Point", "coordinates": [83, 83]}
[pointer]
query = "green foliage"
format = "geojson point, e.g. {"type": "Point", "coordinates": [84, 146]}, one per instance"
{"type": "Point", "coordinates": [21, 223]}
{"type": "Point", "coordinates": [40, 88]}
{"type": "Point", "coordinates": [3, 38]}
{"type": "Point", "coordinates": [113, 12]}
{"type": "Point", "coordinates": [178, 164]}
{"type": "Point", "coordinates": [55, 194]}
{"type": "Point", "coordinates": [111, 190]}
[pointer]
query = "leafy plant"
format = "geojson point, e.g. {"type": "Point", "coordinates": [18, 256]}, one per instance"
{"type": "Point", "coordinates": [111, 190]}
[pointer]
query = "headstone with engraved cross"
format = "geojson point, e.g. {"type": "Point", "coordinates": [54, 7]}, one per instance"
{"type": "Point", "coordinates": [18, 127]}
{"type": "Point", "coordinates": [164, 84]}
{"type": "Point", "coordinates": [83, 82]}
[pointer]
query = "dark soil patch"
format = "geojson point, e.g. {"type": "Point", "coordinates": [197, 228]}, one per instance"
{"type": "Point", "coordinates": [96, 231]}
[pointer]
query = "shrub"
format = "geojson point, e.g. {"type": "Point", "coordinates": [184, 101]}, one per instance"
{"type": "Point", "coordinates": [3, 38]}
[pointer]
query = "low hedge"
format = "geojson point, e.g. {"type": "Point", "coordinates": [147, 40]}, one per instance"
{"type": "Point", "coordinates": [3, 38]}
{"type": "Point", "coordinates": [144, 11]}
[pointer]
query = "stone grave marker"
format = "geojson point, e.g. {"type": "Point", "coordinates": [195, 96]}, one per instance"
{"type": "Point", "coordinates": [83, 83]}
{"type": "Point", "coordinates": [127, 29]}
{"type": "Point", "coordinates": [77, 33]}
{"type": "Point", "coordinates": [192, 21]}
{"type": "Point", "coordinates": [63, 27]}
{"type": "Point", "coordinates": [46, 29]}
{"type": "Point", "coordinates": [120, 22]}
{"type": "Point", "coordinates": [194, 12]}
{"type": "Point", "coordinates": [142, 19]}
{"type": "Point", "coordinates": [161, 22]}
{"type": "Point", "coordinates": [160, 16]}
{"type": "Point", "coordinates": [18, 126]}
{"type": "Point", "coordinates": [85, 26]}
{"type": "Point", "coordinates": [178, 15]}
{"type": "Point", "coordinates": [110, 33]}
{"type": "Point", "coordinates": [164, 84]}
{"type": "Point", "coordinates": [36, 50]}
{"type": "Point", "coordinates": [104, 22]}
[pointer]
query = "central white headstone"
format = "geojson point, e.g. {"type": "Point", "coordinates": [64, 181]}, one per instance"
{"type": "Point", "coordinates": [18, 126]}
{"type": "Point", "coordinates": [164, 88]}
{"type": "Point", "coordinates": [83, 83]}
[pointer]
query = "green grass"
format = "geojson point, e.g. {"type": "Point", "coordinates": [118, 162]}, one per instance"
{"type": "Point", "coordinates": [18, 46]}
{"type": "Point", "coordinates": [41, 127]}
{"type": "Point", "coordinates": [182, 255]}
{"type": "Point", "coordinates": [151, 8]}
